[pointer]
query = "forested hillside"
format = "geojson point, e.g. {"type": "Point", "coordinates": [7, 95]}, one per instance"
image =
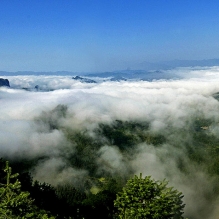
{"type": "Point", "coordinates": [83, 175]}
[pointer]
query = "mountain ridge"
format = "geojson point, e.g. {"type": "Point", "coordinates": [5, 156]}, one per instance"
{"type": "Point", "coordinates": [139, 68]}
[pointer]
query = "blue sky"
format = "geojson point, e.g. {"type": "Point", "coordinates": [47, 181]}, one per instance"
{"type": "Point", "coordinates": [104, 35]}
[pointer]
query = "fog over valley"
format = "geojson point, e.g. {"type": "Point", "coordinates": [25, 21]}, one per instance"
{"type": "Point", "coordinates": [70, 129]}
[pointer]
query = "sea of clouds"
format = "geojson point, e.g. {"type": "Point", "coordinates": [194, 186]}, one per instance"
{"type": "Point", "coordinates": [163, 102]}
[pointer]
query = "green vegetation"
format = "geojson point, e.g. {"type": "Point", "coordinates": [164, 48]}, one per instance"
{"type": "Point", "coordinates": [15, 203]}
{"type": "Point", "coordinates": [141, 198]}
{"type": "Point", "coordinates": [126, 135]}
{"type": "Point", "coordinates": [147, 198]}
{"type": "Point", "coordinates": [106, 155]}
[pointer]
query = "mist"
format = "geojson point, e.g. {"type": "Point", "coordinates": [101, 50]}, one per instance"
{"type": "Point", "coordinates": [47, 125]}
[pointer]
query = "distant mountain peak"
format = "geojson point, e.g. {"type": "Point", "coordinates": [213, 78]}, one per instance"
{"type": "Point", "coordinates": [4, 82]}
{"type": "Point", "coordinates": [83, 80]}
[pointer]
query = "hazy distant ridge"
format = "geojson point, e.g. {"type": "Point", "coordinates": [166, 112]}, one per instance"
{"type": "Point", "coordinates": [140, 68]}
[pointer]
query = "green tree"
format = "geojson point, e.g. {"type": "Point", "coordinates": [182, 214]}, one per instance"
{"type": "Point", "coordinates": [149, 199]}
{"type": "Point", "coordinates": [100, 203]}
{"type": "Point", "coordinates": [15, 203]}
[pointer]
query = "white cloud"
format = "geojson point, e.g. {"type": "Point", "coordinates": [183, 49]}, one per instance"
{"type": "Point", "coordinates": [163, 103]}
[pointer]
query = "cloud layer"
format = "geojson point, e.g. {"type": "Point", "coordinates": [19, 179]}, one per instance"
{"type": "Point", "coordinates": [26, 119]}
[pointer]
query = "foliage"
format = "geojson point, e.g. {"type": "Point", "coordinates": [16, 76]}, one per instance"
{"type": "Point", "coordinates": [86, 151]}
{"type": "Point", "coordinates": [45, 197]}
{"type": "Point", "coordinates": [126, 134]}
{"type": "Point", "coordinates": [70, 201]}
{"type": "Point", "coordinates": [52, 119]}
{"type": "Point", "coordinates": [15, 203]}
{"type": "Point", "coordinates": [101, 204]}
{"type": "Point", "coordinates": [149, 199]}
{"type": "Point", "coordinates": [194, 146]}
